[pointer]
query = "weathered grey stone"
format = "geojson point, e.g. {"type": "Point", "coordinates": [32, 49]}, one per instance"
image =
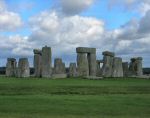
{"type": "Point", "coordinates": [59, 66]}
{"type": "Point", "coordinates": [82, 64]}
{"type": "Point", "coordinates": [117, 67]}
{"type": "Point", "coordinates": [92, 64]}
{"type": "Point", "coordinates": [46, 62]}
{"type": "Point", "coordinates": [135, 67]}
{"type": "Point", "coordinates": [139, 66]}
{"type": "Point", "coordinates": [85, 50]}
{"type": "Point", "coordinates": [11, 67]}
{"type": "Point", "coordinates": [125, 66]}
{"type": "Point", "coordinates": [59, 76]}
{"type": "Point", "coordinates": [107, 53]}
{"type": "Point", "coordinates": [37, 63]}
{"type": "Point", "coordinates": [107, 66]}
{"type": "Point", "coordinates": [72, 70]}
{"type": "Point", "coordinates": [86, 61]}
{"type": "Point", "coordinates": [93, 77]}
{"type": "Point", "coordinates": [23, 68]}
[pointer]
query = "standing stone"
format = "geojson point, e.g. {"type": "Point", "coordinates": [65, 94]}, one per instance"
{"type": "Point", "coordinates": [117, 67]}
{"type": "Point", "coordinates": [72, 70]}
{"type": "Point", "coordinates": [82, 63]}
{"type": "Point", "coordinates": [46, 62]}
{"type": "Point", "coordinates": [135, 67]}
{"type": "Point", "coordinates": [11, 67]}
{"type": "Point", "coordinates": [59, 69]}
{"type": "Point", "coordinates": [23, 68]}
{"type": "Point", "coordinates": [139, 66]}
{"type": "Point", "coordinates": [37, 63]}
{"type": "Point", "coordinates": [125, 69]}
{"type": "Point", "coordinates": [86, 61]}
{"type": "Point", "coordinates": [107, 64]}
{"type": "Point", "coordinates": [92, 64]}
{"type": "Point", "coordinates": [59, 66]}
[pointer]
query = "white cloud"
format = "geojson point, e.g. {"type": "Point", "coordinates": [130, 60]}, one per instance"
{"type": "Point", "coordinates": [9, 21]}
{"type": "Point", "coordinates": [64, 34]}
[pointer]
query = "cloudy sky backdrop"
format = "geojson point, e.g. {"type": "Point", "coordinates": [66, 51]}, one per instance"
{"type": "Point", "coordinates": [121, 26]}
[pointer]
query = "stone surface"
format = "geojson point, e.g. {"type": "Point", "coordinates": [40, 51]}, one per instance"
{"type": "Point", "coordinates": [135, 67]}
{"type": "Point", "coordinates": [23, 68]}
{"type": "Point", "coordinates": [117, 70]}
{"type": "Point", "coordinates": [11, 67]}
{"type": "Point", "coordinates": [139, 66]}
{"type": "Point", "coordinates": [107, 53]}
{"type": "Point", "coordinates": [93, 77]}
{"type": "Point", "coordinates": [85, 50]}
{"type": "Point", "coordinates": [82, 64]}
{"type": "Point", "coordinates": [46, 62]}
{"type": "Point", "coordinates": [72, 70]}
{"type": "Point", "coordinates": [37, 63]}
{"type": "Point", "coordinates": [107, 66]}
{"type": "Point", "coordinates": [59, 66]}
{"type": "Point", "coordinates": [59, 76]}
{"type": "Point", "coordinates": [92, 64]}
{"type": "Point", "coordinates": [125, 66]}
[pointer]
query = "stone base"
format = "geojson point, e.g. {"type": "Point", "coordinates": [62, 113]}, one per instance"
{"type": "Point", "coordinates": [59, 76]}
{"type": "Point", "coordinates": [142, 76]}
{"type": "Point", "coordinates": [93, 77]}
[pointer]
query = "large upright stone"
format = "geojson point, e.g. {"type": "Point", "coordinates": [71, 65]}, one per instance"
{"type": "Point", "coordinates": [107, 64]}
{"type": "Point", "coordinates": [46, 62]}
{"type": "Point", "coordinates": [125, 66]}
{"type": "Point", "coordinates": [82, 63]}
{"type": "Point", "coordinates": [23, 68]}
{"type": "Point", "coordinates": [72, 70]}
{"type": "Point", "coordinates": [139, 66]}
{"type": "Point", "coordinates": [59, 66]}
{"type": "Point", "coordinates": [89, 56]}
{"type": "Point", "coordinates": [135, 67]}
{"type": "Point", "coordinates": [37, 63]}
{"type": "Point", "coordinates": [92, 64]}
{"type": "Point", "coordinates": [11, 67]}
{"type": "Point", "coordinates": [117, 67]}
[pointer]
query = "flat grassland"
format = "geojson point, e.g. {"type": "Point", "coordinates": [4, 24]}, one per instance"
{"type": "Point", "coordinates": [74, 98]}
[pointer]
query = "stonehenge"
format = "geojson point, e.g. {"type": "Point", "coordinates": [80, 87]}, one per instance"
{"type": "Point", "coordinates": [135, 67]}
{"type": "Point", "coordinates": [86, 61]}
{"type": "Point", "coordinates": [107, 63]}
{"type": "Point", "coordinates": [117, 69]}
{"type": "Point", "coordinates": [23, 69]}
{"type": "Point", "coordinates": [73, 70]}
{"type": "Point", "coordinates": [37, 63]}
{"type": "Point", "coordinates": [11, 67]}
{"type": "Point", "coordinates": [46, 62]}
{"type": "Point", "coordinates": [86, 65]}
{"type": "Point", "coordinates": [59, 69]}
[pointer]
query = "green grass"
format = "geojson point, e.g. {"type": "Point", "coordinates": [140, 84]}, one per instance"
{"type": "Point", "coordinates": [74, 98]}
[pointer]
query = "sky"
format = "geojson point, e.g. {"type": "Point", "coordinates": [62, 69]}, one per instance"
{"type": "Point", "coordinates": [120, 26]}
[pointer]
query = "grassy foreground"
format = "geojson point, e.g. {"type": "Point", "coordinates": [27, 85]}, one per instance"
{"type": "Point", "coordinates": [74, 98]}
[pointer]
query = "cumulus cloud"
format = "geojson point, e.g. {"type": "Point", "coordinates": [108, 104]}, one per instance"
{"type": "Point", "coordinates": [9, 21]}
{"type": "Point", "coordinates": [17, 46]}
{"type": "Point", "coordinates": [71, 7]}
{"type": "Point", "coordinates": [65, 33]}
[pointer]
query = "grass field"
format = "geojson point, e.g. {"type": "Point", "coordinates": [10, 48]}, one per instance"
{"type": "Point", "coordinates": [74, 98]}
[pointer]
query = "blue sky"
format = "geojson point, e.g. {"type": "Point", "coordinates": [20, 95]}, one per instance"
{"type": "Point", "coordinates": [115, 25]}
